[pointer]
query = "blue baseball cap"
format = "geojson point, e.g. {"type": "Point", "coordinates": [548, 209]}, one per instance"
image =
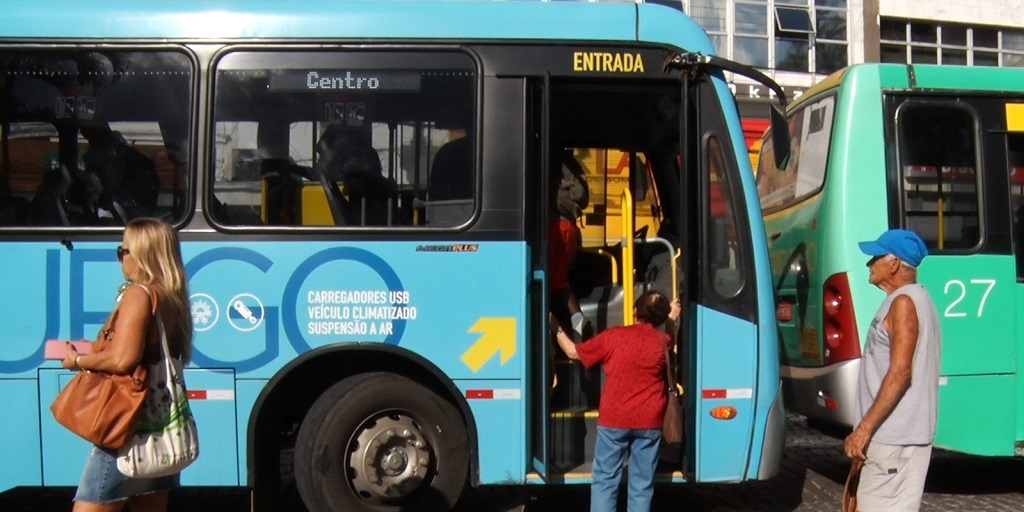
{"type": "Point", "coordinates": [903, 244]}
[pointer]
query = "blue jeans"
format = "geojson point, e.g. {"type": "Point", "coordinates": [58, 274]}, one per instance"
{"type": "Point", "coordinates": [609, 455]}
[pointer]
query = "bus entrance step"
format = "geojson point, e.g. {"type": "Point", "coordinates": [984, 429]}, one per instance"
{"type": "Point", "coordinates": [573, 433]}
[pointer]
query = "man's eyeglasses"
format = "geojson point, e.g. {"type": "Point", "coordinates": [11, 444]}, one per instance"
{"type": "Point", "coordinates": [121, 251]}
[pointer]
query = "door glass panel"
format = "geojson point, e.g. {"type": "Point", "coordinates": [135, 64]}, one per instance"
{"type": "Point", "coordinates": [937, 165]}
{"type": "Point", "coordinates": [723, 242]}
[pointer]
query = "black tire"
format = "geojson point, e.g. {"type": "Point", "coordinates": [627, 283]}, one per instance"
{"type": "Point", "coordinates": [379, 442]}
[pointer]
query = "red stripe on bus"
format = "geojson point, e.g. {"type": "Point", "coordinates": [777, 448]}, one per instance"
{"type": "Point", "coordinates": [713, 393]}
{"type": "Point", "coordinates": [197, 394]}
{"type": "Point", "coordinates": [484, 394]}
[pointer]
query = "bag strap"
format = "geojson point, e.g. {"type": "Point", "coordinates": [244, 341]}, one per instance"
{"type": "Point", "coordinates": [153, 296]}
{"type": "Point", "coordinates": [159, 322]}
{"type": "Point", "coordinates": [108, 326]}
{"type": "Point", "coordinates": [668, 372]}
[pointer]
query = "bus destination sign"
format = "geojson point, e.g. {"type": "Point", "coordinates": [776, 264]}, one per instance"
{"type": "Point", "coordinates": [331, 80]}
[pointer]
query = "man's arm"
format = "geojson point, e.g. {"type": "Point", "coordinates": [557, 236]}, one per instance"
{"type": "Point", "coordinates": [901, 324]}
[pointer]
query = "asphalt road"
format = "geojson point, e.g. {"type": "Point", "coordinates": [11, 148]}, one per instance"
{"type": "Point", "coordinates": [810, 479]}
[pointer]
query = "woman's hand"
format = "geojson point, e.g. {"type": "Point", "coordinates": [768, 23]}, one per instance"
{"type": "Point", "coordinates": [566, 344]}
{"type": "Point", "coordinates": [70, 356]}
{"type": "Point", "coordinates": [677, 309]}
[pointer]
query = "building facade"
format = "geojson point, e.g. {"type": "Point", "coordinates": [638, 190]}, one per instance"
{"type": "Point", "coordinates": [800, 42]}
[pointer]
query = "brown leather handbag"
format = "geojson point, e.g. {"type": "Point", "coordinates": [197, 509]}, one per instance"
{"type": "Point", "coordinates": [672, 426]}
{"type": "Point", "coordinates": [102, 408]}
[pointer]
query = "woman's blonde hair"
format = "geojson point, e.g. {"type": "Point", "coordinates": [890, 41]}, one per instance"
{"type": "Point", "coordinates": [156, 251]}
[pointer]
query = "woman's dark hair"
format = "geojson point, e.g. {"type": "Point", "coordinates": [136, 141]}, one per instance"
{"type": "Point", "coordinates": [652, 308]}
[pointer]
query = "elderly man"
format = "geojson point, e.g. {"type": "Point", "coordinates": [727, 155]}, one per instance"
{"type": "Point", "coordinates": [897, 396]}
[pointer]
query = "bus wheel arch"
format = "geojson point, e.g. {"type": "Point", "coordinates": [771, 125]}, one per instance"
{"type": "Point", "coordinates": [285, 401]}
{"type": "Point", "coordinates": [381, 441]}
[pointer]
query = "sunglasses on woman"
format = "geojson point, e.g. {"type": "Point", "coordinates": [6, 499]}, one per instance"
{"type": "Point", "coordinates": [121, 251]}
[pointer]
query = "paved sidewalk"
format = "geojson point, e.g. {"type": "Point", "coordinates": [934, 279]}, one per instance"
{"type": "Point", "coordinates": [810, 479]}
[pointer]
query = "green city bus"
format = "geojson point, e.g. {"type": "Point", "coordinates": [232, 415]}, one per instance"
{"type": "Point", "coordinates": [935, 149]}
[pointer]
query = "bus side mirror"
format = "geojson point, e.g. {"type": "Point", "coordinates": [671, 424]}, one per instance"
{"type": "Point", "coordinates": [780, 136]}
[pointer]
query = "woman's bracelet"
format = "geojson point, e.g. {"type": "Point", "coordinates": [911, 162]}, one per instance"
{"type": "Point", "coordinates": [77, 364]}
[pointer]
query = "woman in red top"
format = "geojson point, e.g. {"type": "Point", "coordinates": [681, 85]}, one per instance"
{"type": "Point", "coordinates": [632, 403]}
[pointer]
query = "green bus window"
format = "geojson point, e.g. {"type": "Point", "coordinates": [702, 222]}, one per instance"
{"type": "Point", "coordinates": [723, 243]}
{"type": "Point", "coordinates": [93, 137]}
{"type": "Point", "coordinates": [344, 138]}
{"type": "Point", "coordinates": [937, 149]}
{"type": "Point", "coordinates": [810, 130]}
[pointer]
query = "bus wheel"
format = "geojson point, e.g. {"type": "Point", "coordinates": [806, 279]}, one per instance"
{"type": "Point", "coordinates": [381, 442]}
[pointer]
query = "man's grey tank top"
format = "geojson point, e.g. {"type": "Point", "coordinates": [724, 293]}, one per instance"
{"type": "Point", "coordinates": [913, 419]}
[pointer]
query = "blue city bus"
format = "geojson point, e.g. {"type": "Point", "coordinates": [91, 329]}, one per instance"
{"type": "Point", "coordinates": [361, 193]}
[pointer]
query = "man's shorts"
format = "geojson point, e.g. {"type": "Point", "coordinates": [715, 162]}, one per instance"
{"type": "Point", "coordinates": [563, 240]}
{"type": "Point", "coordinates": [893, 478]}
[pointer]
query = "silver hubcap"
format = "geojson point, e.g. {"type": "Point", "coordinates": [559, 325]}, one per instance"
{"type": "Point", "coordinates": [390, 458]}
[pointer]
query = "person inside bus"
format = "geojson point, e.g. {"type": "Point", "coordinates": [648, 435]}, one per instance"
{"type": "Point", "coordinates": [347, 157]}
{"type": "Point", "coordinates": [129, 185]}
{"type": "Point", "coordinates": [571, 196]}
{"type": "Point", "coordinates": [150, 255]}
{"type": "Point", "coordinates": [633, 401]}
{"type": "Point", "coordinates": [451, 172]}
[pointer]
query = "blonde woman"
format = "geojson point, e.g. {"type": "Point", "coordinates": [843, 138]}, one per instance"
{"type": "Point", "coordinates": [150, 256]}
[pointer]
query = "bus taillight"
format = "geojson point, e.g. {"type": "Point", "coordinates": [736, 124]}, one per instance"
{"type": "Point", "coordinates": [839, 324]}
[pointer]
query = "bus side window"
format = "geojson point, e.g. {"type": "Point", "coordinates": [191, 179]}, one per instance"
{"type": "Point", "coordinates": [358, 152]}
{"type": "Point", "coordinates": [93, 137]}
{"type": "Point", "coordinates": [937, 164]}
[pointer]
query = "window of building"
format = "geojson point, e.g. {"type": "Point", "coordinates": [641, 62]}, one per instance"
{"type": "Point", "coordinates": [831, 39]}
{"type": "Point", "coordinates": [808, 36]}
{"type": "Point", "coordinates": [926, 42]}
{"type": "Point", "coordinates": [750, 35]}
{"type": "Point", "coordinates": [344, 138]}
{"type": "Point", "coordinates": [793, 19]}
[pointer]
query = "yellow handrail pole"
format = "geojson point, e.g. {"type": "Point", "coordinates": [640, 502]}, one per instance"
{"type": "Point", "coordinates": [615, 264]}
{"type": "Point", "coordinates": [627, 257]}
{"type": "Point", "coordinates": [675, 274]}
{"type": "Point", "coordinates": [942, 220]}
{"type": "Point", "coordinates": [942, 225]}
